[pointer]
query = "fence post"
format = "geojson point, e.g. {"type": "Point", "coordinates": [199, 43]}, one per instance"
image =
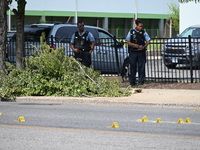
{"type": "Point", "coordinates": [52, 41]}
{"type": "Point", "coordinates": [116, 54]}
{"type": "Point", "coordinates": [190, 53]}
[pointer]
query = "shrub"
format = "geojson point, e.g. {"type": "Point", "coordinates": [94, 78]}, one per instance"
{"type": "Point", "coordinates": [50, 73]}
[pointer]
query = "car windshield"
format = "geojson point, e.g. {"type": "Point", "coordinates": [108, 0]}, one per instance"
{"type": "Point", "coordinates": [31, 33]}
{"type": "Point", "coordinates": [64, 34]}
{"type": "Point", "coordinates": [194, 32]}
{"type": "Point", "coordinates": [34, 33]}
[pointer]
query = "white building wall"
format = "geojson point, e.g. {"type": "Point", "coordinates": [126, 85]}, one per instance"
{"type": "Point", "coordinates": [112, 6]}
{"type": "Point", "coordinates": [189, 15]}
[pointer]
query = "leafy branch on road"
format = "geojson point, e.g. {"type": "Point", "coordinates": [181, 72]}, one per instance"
{"type": "Point", "coordinates": [50, 73]}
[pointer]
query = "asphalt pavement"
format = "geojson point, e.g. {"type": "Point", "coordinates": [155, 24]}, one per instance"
{"type": "Point", "coordinates": [154, 97]}
{"type": "Point", "coordinates": [97, 127]}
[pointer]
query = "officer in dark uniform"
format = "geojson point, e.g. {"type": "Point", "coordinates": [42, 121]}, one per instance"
{"type": "Point", "coordinates": [82, 43]}
{"type": "Point", "coordinates": [137, 40]}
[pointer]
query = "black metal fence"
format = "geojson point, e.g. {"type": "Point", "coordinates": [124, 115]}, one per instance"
{"type": "Point", "coordinates": [168, 60]}
{"type": "Point", "coordinates": [174, 60]}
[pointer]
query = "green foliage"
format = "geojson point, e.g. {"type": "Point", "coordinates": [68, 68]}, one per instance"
{"type": "Point", "coordinates": [174, 14]}
{"type": "Point", "coordinates": [21, 5]}
{"type": "Point", "coordinates": [50, 73]}
{"type": "Point", "coordinates": [43, 21]}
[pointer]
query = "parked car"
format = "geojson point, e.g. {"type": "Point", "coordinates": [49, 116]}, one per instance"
{"type": "Point", "coordinates": [32, 40]}
{"type": "Point", "coordinates": [104, 56]}
{"type": "Point", "coordinates": [176, 50]}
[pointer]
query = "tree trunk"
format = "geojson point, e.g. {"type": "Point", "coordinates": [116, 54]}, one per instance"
{"type": "Point", "coordinates": [20, 14]}
{"type": "Point", "coordinates": [20, 43]}
{"type": "Point", "coordinates": [3, 33]}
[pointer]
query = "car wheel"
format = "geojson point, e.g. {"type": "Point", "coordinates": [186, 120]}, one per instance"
{"type": "Point", "coordinates": [125, 70]}
{"type": "Point", "coordinates": [171, 66]}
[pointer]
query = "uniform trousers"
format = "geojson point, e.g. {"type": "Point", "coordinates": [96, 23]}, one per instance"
{"type": "Point", "coordinates": [137, 61]}
{"type": "Point", "coordinates": [84, 57]}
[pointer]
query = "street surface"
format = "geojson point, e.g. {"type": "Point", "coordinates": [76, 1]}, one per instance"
{"type": "Point", "coordinates": [81, 127]}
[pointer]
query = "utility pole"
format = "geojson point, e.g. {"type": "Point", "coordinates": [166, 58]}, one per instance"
{"type": "Point", "coordinates": [170, 27]}
{"type": "Point", "coordinates": [76, 11]}
{"type": "Point", "coordinates": [9, 21]}
{"type": "Point", "coordinates": [136, 12]}
{"type": "Point", "coordinates": [136, 9]}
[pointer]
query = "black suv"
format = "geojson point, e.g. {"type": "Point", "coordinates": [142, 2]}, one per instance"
{"type": "Point", "coordinates": [32, 40]}
{"type": "Point", "coordinates": [176, 51]}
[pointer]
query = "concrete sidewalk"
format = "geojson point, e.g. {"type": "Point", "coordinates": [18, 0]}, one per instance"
{"type": "Point", "coordinates": [155, 97]}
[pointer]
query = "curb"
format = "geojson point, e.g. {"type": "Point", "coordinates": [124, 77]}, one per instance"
{"type": "Point", "coordinates": [93, 101]}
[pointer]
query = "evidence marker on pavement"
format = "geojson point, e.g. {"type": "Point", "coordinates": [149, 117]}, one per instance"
{"type": "Point", "coordinates": [114, 125]}
{"type": "Point", "coordinates": [188, 120]}
{"type": "Point", "coordinates": [180, 121]}
{"type": "Point", "coordinates": [144, 119]}
{"type": "Point", "coordinates": [21, 119]}
{"type": "Point", "coordinates": [159, 120]}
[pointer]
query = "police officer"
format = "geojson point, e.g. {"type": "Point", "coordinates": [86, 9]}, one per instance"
{"type": "Point", "coordinates": [137, 40]}
{"type": "Point", "coordinates": [82, 43]}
